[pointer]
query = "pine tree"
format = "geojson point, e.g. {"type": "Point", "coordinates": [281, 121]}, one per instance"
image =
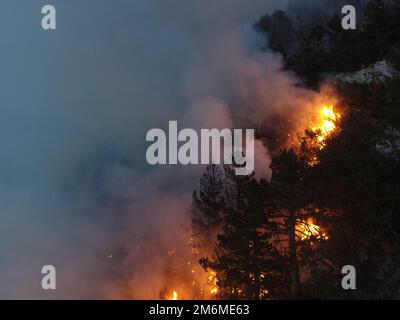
{"type": "Point", "coordinates": [288, 201]}
{"type": "Point", "coordinates": [246, 262]}
{"type": "Point", "coordinates": [358, 177]}
{"type": "Point", "coordinates": [208, 206]}
{"type": "Point", "coordinates": [301, 225]}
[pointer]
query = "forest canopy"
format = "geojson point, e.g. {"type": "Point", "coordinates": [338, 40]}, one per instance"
{"type": "Point", "coordinates": [290, 236]}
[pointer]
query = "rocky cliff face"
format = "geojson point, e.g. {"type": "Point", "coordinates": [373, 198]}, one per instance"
{"type": "Point", "coordinates": [378, 72]}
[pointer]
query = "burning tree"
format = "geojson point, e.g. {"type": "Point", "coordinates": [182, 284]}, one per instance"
{"type": "Point", "coordinates": [296, 216]}
{"type": "Point", "coordinates": [358, 179]}
{"type": "Point", "coordinates": [316, 138]}
{"type": "Point", "coordinates": [335, 199]}
{"type": "Point", "coordinates": [332, 201]}
{"type": "Point", "coordinates": [268, 231]}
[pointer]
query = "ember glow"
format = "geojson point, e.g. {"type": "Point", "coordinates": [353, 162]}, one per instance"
{"type": "Point", "coordinates": [308, 230]}
{"type": "Point", "coordinates": [208, 290]}
{"type": "Point", "coordinates": [212, 280]}
{"type": "Point", "coordinates": [327, 126]}
{"type": "Point", "coordinates": [323, 127]}
{"type": "Point", "coordinates": [187, 278]}
{"type": "Point", "coordinates": [174, 295]}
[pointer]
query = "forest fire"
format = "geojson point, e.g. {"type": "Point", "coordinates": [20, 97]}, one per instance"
{"type": "Point", "coordinates": [192, 281]}
{"type": "Point", "coordinates": [307, 230]}
{"type": "Point", "coordinates": [316, 138]}
{"type": "Point", "coordinates": [212, 280]}
{"type": "Point", "coordinates": [208, 290]}
{"type": "Point", "coordinates": [326, 127]}
{"type": "Point", "coordinates": [174, 295]}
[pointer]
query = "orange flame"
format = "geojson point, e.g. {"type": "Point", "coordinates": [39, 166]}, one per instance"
{"type": "Point", "coordinates": [327, 126]}
{"type": "Point", "coordinates": [174, 295]}
{"type": "Point", "coordinates": [212, 280]}
{"type": "Point", "coordinates": [307, 229]}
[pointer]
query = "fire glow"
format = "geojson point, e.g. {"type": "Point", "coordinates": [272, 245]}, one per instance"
{"type": "Point", "coordinates": [174, 295]}
{"type": "Point", "coordinates": [327, 126]}
{"type": "Point", "coordinates": [307, 229]}
{"type": "Point", "coordinates": [211, 284]}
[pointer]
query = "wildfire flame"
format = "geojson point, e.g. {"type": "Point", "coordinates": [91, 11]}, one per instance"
{"type": "Point", "coordinates": [327, 126]}
{"type": "Point", "coordinates": [307, 229]}
{"type": "Point", "coordinates": [174, 295]}
{"type": "Point", "coordinates": [212, 280]}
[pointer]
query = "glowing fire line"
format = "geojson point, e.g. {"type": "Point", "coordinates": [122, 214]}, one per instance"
{"type": "Point", "coordinates": [327, 126]}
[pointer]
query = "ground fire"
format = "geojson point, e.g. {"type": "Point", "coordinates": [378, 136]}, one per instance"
{"type": "Point", "coordinates": [210, 288]}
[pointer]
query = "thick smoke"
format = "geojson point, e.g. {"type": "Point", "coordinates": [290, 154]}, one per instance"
{"type": "Point", "coordinates": [75, 189]}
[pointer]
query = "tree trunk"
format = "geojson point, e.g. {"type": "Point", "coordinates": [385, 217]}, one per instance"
{"type": "Point", "coordinates": [293, 263]}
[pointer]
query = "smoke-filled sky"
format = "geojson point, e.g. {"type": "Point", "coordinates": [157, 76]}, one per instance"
{"type": "Point", "coordinates": [76, 104]}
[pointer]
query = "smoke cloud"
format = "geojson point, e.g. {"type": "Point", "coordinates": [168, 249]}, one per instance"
{"type": "Point", "coordinates": [75, 189]}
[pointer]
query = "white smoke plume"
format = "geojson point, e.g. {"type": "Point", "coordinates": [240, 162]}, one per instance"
{"type": "Point", "coordinates": [75, 190]}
